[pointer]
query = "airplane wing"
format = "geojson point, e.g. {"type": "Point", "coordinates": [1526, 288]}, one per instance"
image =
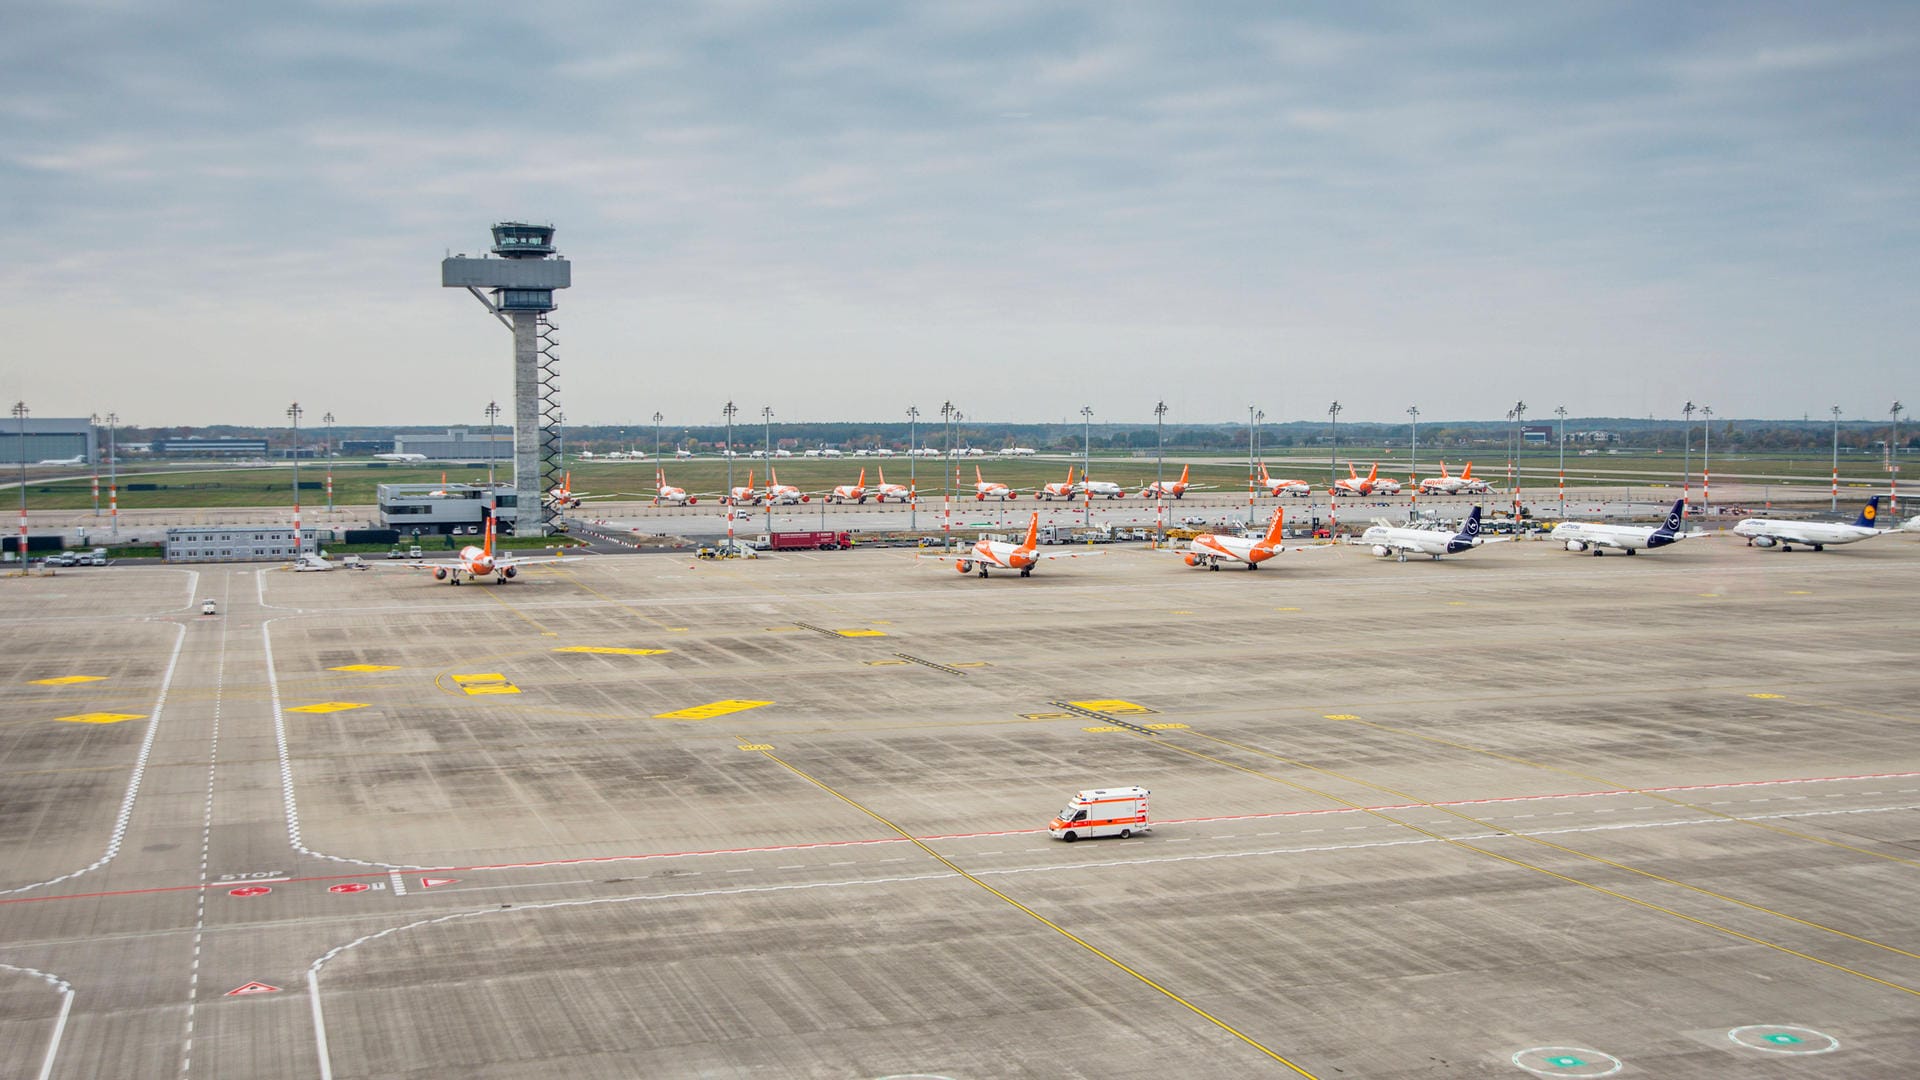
{"type": "Point", "coordinates": [1066, 554]}
{"type": "Point", "coordinates": [536, 560]}
{"type": "Point", "coordinates": [417, 564]}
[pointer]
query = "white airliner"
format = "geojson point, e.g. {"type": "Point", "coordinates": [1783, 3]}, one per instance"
{"type": "Point", "coordinates": [81, 460]}
{"type": "Point", "coordinates": [1000, 555]}
{"type": "Point", "coordinates": [1769, 532]}
{"type": "Point", "coordinates": [984, 489]}
{"type": "Point", "coordinates": [1063, 490]}
{"type": "Point", "coordinates": [663, 495]}
{"type": "Point", "coordinates": [1103, 489]}
{"type": "Point", "coordinates": [1388, 540]}
{"type": "Point", "coordinates": [780, 494]}
{"type": "Point", "coordinates": [1210, 550]}
{"type": "Point", "coordinates": [1912, 525]}
{"type": "Point", "coordinates": [1444, 484]}
{"type": "Point", "coordinates": [857, 491]}
{"type": "Point", "coordinates": [742, 496]}
{"type": "Point", "coordinates": [477, 563]}
{"type": "Point", "coordinates": [400, 457]}
{"type": "Point", "coordinates": [884, 491]}
{"type": "Point", "coordinates": [1176, 488]}
{"type": "Point", "coordinates": [1584, 535]}
{"type": "Point", "coordinates": [1355, 484]}
{"type": "Point", "coordinates": [1284, 485]}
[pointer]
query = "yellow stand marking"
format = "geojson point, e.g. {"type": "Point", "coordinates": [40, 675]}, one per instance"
{"type": "Point", "coordinates": [1767, 697]}
{"type": "Point", "coordinates": [330, 706]}
{"type": "Point", "coordinates": [711, 710]}
{"type": "Point", "coordinates": [972, 663]}
{"type": "Point", "coordinates": [1709, 595]}
{"type": "Point", "coordinates": [1173, 726]}
{"type": "Point", "coordinates": [861, 633]}
{"type": "Point", "coordinates": [68, 680]}
{"type": "Point", "coordinates": [1286, 609]}
{"type": "Point", "coordinates": [365, 667]}
{"type": "Point", "coordinates": [1179, 612]}
{"type": "Point", "coordinates": [1112, 708]}
{"type": "Point", "coordinates": [610, 650]}
{"type": "Point", "coordinates": [1046, 716]}
{"type": "Point", "coordinates": [1101, 730]}
{"type": "Point", "coordinates": [100, 718]}
{"type": "Point", "coordinates": [756, 747]}
{"type": "Point", "coordinates": [1799, 592]}
{"type": "Point", "coordinates": [1341, 716]}
{"type": "Point", "coordinates": [491, 682]}
{"type": "Point", "coordinates": [885, 663]}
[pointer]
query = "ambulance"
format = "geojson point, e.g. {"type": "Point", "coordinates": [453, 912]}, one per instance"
{"type": "Point", "coordinates": [1118, 812]}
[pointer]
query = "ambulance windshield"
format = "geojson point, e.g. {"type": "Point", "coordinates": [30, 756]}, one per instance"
{"type": "Point", "coordinates": [1073, 813]}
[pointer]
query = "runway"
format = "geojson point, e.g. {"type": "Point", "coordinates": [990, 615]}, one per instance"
{"type": "Point", "coordinates": [1517, 812]}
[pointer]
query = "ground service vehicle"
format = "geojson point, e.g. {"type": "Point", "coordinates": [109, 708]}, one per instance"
{"type": "Point", "coordinates": [208, 607]}
{"type": "Point", "coordinates": [1118, 812]}
{"type": "Point", "coordinates": [808, 541]}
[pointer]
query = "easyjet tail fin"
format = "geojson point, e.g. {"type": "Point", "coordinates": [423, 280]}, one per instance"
{"type": "Point", "coordinates": [1033, 533]}
{"type": "Point", "coordinates": [1274, 530]}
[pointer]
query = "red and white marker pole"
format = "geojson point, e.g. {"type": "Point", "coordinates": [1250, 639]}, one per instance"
{"type": "Point", "coordinates": [96, 491]}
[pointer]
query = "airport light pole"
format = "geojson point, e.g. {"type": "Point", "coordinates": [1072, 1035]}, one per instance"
{"type": "Point", "coordinates": [1893, 465]}
{"type": "Point", "coordinates": [328, 420]}
{"type": "Point", "coordinates": [95, 421]}
{"type": "Point", "coordinates": [728, 412]}
{"type": "Point", "coordinates": [1086, 466]}
{"type": "Point", "coordinates": [1836, 459]}
{"type": "Point", "coordinates": [946, 523]}
{"type": "Point", "coordinates": [1159, 475]}
{"type": "Point", "coordinates": [1706, 458]}
{"type": "Point", "coordinates": [913, 452]}
{"type": "Point", "coordinates": [1686, 442]}
{"type": "Point", "coordinates": [1519, 444]}
{"type": "Point", "coordinates": [1333, 457]}
{"type": "Point", "coordinates": [1561, 412]}
{"type": "Point", "coordinates": [1413, 450]}
{"type": "Point", "coordinates": [20, 414]}
{"type": "Point", "coordinates": [1253, 442]}
{"type": "Point", "coordinates": [493, 413]}
{"type": "Point", "coordinates": [766, 418]}
{"type": "Point", "coordinates": [656, 437]}
{"type": "Point", "coordinates": [293, 413]}
{"type": "Point", "coordinates": [113, 474]}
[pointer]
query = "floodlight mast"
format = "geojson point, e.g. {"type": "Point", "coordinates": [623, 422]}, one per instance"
{"type": "Point", "coordinates": [519, 292]}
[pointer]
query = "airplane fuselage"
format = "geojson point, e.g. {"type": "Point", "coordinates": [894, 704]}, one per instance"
{"type": "Point", "coordinates": [1584, 535]}
{"type": "Point", "coordinates": [1769, 532]}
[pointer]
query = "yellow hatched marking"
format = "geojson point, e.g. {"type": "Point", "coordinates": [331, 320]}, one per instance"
{"type": "Point", "coordinates": [1341, 716]}
{"type": "Point", "coordinates": [1767, 697]}
{"type": "Point", "coordinates": [100, 718]}
{"type": "Point", "coordinates": [1170, 726]}
{"type": "Point", "coordinates": [1112, 707]}
{"type": "Point", "coordinates": [711, 710]}
{"type": "Point", "coordinates": [491, 676]}
{"type": "Point", "coordinates": [329, 706]}
{"type": "Point", "coordinates": [861, 633]}
{"type": "Point", "coordinates": [68, 680]}
{"type": "Point", "coordinates": [492, 688]}
{"type": "Point", "coordinates": [754, 747]}
{"type": "Point", "coordinates": [365, 667]}
{"type": "Point", "coordinates": [1100, 730]}
{"type": "Point", "coordinates": [610, 650]}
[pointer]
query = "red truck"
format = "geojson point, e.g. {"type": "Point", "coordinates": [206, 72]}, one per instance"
{"type": "Point", "coordinates": [805, 541]}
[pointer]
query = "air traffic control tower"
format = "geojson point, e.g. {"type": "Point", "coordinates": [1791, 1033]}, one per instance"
{"type": "Point", "coordinates": [519, 292]}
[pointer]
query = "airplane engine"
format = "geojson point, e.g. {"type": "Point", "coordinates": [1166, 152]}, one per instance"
{"type": "Point", "coordinates": [440, 574]}
{"type": "Point", "coordinates": [1575, 545]}
{"type": "Point", "coordinates": [980, 496]}
{"type": "Point", "coordinates": [805, 498]}
{"type": "Point", "coordinates": [963, 566]}
{"type": "Point", "coordinates": [1764, 541]}
{"type": "Point", "coordinates": [1013, 494]}
{"type": "Point", "coordinates": [1193, 559]}
{"type": "Point", "coordinates": [690, 502]}
{"type": "Point", "coordinates": [509, 571]}
{"type": "Point", "coordinates": [1382, 550]}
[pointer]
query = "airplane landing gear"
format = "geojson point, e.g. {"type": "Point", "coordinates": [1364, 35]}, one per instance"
{"type": "Point", "coordinates": [1028, 572]}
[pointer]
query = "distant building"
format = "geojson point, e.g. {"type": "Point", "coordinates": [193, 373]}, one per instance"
{"type": "Point", "coordinates": [238, 543]}
{"type": "Point", "coordinates": [196, 446]}
{"type": "Point", "coordinates": [421, 509]}
{"type": "Point", "coordinates": [51, 439]}
{"type": "Point", "coordinates": [458, 444]}
{"type": "Point", "coordinates": [1537, 434]}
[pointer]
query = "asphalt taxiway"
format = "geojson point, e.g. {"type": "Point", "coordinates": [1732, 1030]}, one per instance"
{"type": "Point", "coordinates": [1517, 812]}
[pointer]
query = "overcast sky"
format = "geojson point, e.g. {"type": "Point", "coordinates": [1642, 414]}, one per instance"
{"type": "Point", "coordinates": [842, 209]}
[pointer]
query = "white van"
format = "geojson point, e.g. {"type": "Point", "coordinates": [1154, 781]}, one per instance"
{"type": "Point", "coordinates": [1118, 812]}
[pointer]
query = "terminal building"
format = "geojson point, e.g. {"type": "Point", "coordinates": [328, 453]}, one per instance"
{"type": "Point", "coordinates": [211, 448]}
{"type": "Point", "coordinates": [51, 439]}
{"type": "Point", "coordinates": [423, 509]}
{"type": "Point", "coordinates": [458, 444]}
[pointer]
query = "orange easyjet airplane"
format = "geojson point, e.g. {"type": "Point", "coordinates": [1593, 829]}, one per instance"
{"type": "Point", "coordinates": [1210, 550]}
{"type": "Point", "coordinates": [1175, 488]}
{"type": "Point", "coordinates": [884, 491]}
{"type": "Point", "coordinates": [1285, 485]}
{"type": "Point", "coordinates": [1051, 492]}
{"type": "Point", "coordinates": [1000, 555]}
{"type": "Point", "coordinates": [987, 489]}
{"type": "Point", "coordinates": [477, 562]}
{"type": "Point", "coordinates": [1373, 484]}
